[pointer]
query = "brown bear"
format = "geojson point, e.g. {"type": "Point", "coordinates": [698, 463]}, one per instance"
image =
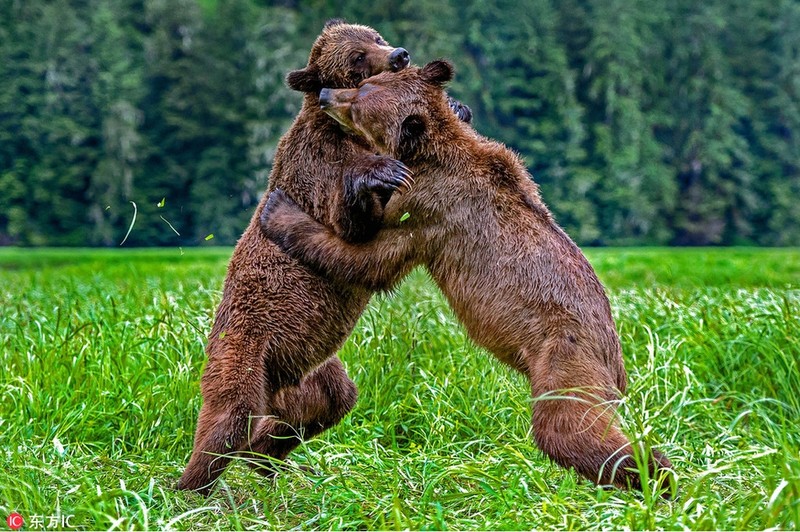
{"type": "Point", "coordinates": [272, 374]}
{"type": "Point", "coordinates": [521, 287]}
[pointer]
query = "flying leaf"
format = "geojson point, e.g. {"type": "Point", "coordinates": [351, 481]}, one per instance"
{"type": "Point", "coordinates": [405, 217]}
{"type": "Point", "coordinates": [133, 221]}
{"type": "Point", "coordinates": [170, 225]}
{"type": "Point", "coordinates": [209, 237]}
{"type": "Point", "coordinates": [161, 203]}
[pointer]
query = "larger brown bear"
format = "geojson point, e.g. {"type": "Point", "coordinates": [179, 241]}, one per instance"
{"type": "Point", "coordinates": [272, 373]}
{"type": "Point", "coordinates": [520, 286]}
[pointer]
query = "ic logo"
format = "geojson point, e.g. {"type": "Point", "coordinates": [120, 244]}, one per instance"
{"type": "Point", "coordinates": [15, 521]}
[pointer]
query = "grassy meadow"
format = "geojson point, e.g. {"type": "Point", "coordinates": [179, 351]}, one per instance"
{"type": "Point", "coordinates": [102, 352]}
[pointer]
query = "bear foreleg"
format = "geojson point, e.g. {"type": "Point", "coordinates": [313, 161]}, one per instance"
{"type": "Point", "coordinates": [369, 182]}
{"type": "Point", "coordinates": [377, 264]}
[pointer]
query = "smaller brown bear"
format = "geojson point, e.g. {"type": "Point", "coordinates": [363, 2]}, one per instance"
{"type": "Point", "coordinates": [517, 282]}
{"type": "Point", "coordinates": [272, 373]}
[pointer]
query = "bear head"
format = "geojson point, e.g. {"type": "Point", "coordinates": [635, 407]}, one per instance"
{"type": "Point", "coordinates": [397, 113]}
{"type": "Point", "coordinates": [344, 55]}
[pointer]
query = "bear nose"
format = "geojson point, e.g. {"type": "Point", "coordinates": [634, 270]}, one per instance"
{"type": "Point", "coordinates": [325, 98]}
{"type": "Point", "coordinates": [399, 59]}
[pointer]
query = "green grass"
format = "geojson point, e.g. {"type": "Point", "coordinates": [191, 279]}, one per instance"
{"type": "Point", "coordinates": [102, 352]}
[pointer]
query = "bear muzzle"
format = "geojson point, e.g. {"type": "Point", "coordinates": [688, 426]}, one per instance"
{"type": "Point", "coordinates": [399, 59]}
{"type": "Point", "coordinates": [336, 103]}
{"type": "Point", "coordinates": [332, 98]}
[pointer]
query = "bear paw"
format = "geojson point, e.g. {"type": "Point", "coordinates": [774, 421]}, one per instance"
{"type": "Point", "coordinates": [463, 112]}
{"type": "Point", "coordinates": [383, 177]}
{"type": "Point", "coordinates": [278, 207]}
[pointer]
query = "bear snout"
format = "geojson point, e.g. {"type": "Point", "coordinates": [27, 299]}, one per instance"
{"type": "Point", "coordinates": [399, 59]}
{"type": "Point", "coordinates": [332, 98]}
{"type": "Point", "coordinates": [336, 104]}
{"type": "Point", "coordinates": [325, 98]}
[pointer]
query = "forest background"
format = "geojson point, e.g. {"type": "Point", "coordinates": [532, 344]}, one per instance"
{"type": "Point", "coordinates": [647, 122]}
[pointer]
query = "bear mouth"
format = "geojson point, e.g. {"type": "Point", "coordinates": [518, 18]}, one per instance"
{"type": "Point", "coordinates": [337, 105]}
{"type": "Point", "coordinates": [347, 128]}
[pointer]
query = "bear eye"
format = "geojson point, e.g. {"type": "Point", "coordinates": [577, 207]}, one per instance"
{"type": "Point", "coordinates": [360, 58]}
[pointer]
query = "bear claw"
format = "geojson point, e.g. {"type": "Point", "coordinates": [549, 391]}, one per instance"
{"type": "Point", "coordinates": [387, 176]}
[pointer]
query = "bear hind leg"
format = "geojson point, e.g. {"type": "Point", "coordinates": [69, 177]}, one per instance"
{"type": "Point", "coordinates": [319, 401]}
{"type": "Point", "coordinates": [221, 431]}
{"type": "Point", "coordinates": [574, 420]}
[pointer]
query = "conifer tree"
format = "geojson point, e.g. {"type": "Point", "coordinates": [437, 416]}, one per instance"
{"type": "Point", "coordinates": [644, 122]}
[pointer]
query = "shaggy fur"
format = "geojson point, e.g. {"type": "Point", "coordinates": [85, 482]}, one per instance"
{"type": "Point", "coordinates": [272, 374]}
{"type": "Point", "coordinates": [517, 282]}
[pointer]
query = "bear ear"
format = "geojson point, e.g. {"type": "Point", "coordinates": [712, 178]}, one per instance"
{"type": "Point", "coordinates": [304, 80]}
{"type": "Point", "coordinates": [412, 135]}
{"type": "Point", "coordinates": [413, 126]}
{"type": "Point", "coordinates": [333, 22]}
{"type": "Point", "coordinates": [412, 132]}
{"type": "Point", "coordinates": [437, 72]}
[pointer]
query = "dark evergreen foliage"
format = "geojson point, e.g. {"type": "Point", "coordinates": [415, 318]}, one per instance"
{"type": "Point", "coordinates": [644, 121]}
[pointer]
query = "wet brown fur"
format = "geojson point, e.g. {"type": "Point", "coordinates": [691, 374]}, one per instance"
{"type": "Point", "coordinates": [272, 374]}
{"type": "Point", "coordinates": [517, 282]}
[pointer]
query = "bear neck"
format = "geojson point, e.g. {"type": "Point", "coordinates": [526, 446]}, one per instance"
{"type": "Point", "coordinates": [311, 106]}
{"type": "Point", "coordinates": [450, 142]}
